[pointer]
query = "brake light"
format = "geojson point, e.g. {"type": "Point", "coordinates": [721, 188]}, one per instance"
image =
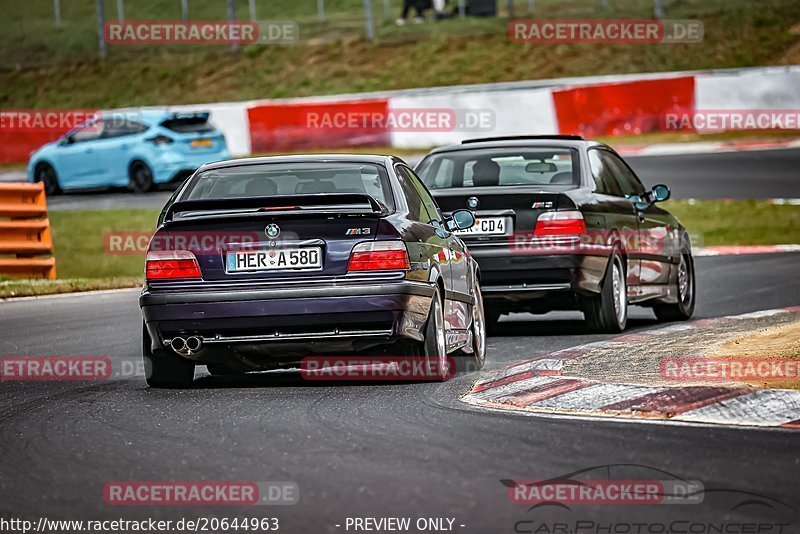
{"type": "Point", "coordinates": [560, 223]}
{"type": "Point", "coordinates": [379, 256]}
{"type": "Point", "coordinates": [171, 265]}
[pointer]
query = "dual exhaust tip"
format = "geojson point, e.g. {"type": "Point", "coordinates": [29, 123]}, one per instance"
{"type": "Point", "coordinates": [186, 346]}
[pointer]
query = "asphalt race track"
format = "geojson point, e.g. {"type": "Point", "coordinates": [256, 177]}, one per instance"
{"type": "Point", "coordinates": [753, 174]}
{"type": "Point", "coordinates": [368, 450]}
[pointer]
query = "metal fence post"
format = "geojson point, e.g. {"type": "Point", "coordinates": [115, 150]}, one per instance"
{"type": "Point", "coordinates": [321, 10]}
{"type": "Point", "coordinates": [387, 9]}
{"type": "Point", "coordinates": [57, 12]}
{"type": "Point", "coordinates": [531, 7]}
{"type": "Point", "coordinates": [252, 9]}
{"type": "Point", "coordinates": [185, 9]}
{"type": "Point", "coordinates": [369, 23]}
{"type": "Point", "coordinates": [101, 24]}
{"type": "Point", "coordinates": [120, 11]}
{"type": "Point", "coordinates": [658, 9]}
{"type": "Point", "coordinates": [232, 18]}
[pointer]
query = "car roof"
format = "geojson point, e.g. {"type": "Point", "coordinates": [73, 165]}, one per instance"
{"type": "Point", "coordinates": [557, 141]}
{"type": "Point", "coordinates": [305, 158]}
{"type": "Point", "coordinates": [151, 115]}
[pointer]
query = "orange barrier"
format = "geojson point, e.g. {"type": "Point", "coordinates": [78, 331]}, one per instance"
{"type": "Point", "coordinates": [26, 233]}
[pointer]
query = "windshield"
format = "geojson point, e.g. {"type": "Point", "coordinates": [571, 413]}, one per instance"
{"type": "Point", "coordinates": [500, 167]}
{"type": "Point", "coordinates": [272, 179]}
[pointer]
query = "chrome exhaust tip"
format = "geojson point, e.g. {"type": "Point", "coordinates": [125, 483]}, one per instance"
{"type": "Point", "coordinates": [178, 344]}
{"type": "Point", "coordinates": [194, 344]}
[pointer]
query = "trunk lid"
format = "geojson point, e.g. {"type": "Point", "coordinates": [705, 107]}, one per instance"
{"type": "Point", "coordinates": [271, 238]}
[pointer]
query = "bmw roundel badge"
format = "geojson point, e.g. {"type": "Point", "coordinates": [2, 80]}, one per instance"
{"type": "Point", "coordinates": [472, 202]}
{"type": "Point", "coordinates": [272, 230]}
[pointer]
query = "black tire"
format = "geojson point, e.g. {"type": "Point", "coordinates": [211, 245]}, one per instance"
{"type": "Point", "coordinates": [685, 289]}
{"type": "Point", "coordinates": [492, 319]}
{"type": "Point", "coordinates": [608, 311]}
{"type": "Point", "coordinates": [140, 177]}
{"type": "Point", "coordinates": [220, 369]}
{"type": "Point", "coordinates": [474, 361]}
{"type": "Point", "coordinates": [47, 174]}
{"type": "Point", "coordinates": [165, 369]}
{"type": "Point", "coordinates": [434, 347]}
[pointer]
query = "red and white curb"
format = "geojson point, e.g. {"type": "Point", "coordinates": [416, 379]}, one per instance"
{"type": "Point", "coordinates": [538, 386]}
{"type": "Point", "coordinates": [738, 250]}
{"type": "Point", "coordinates": [705, 147]}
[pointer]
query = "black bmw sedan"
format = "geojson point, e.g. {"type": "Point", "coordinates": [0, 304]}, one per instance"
{"type": "Point", "coordinates": [564, 223]}
{"type": "Point", "coordinates": [258, 263]}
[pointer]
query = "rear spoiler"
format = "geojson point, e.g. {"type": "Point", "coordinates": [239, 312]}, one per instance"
{"type": "Point", "coordinates": [315, 203]}
{"type": "Point", "coordinates": [204, 115]}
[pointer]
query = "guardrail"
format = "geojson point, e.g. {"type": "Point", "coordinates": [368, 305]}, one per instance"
{"type": "Point", "coordinates": [25, 232]}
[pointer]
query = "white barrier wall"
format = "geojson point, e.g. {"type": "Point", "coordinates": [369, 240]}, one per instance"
{"type": "Point", "coordinates": [231, 120]}
{"type": "Point", "coordinates": [764, 88]}
{"type": "Point", "coordinates": [513, 112]}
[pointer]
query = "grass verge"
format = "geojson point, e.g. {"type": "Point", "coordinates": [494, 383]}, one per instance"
{"type": "Point", "coordinates": [737, 222]}
{"type": "Point", "coordinates": [32, 288]}
{"type": "Point", "coordinates": [48, 67]}
{"type": "Point", "coordinates": [776, 343]}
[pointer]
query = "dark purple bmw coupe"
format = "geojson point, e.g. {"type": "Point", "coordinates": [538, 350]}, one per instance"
{"type": "Point", "coordinates": [259, 263]}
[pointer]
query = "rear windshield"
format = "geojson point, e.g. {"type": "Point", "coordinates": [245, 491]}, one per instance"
{"type": "Point", "coordinates": [188, 124]}
{"type": "Point", "coordinates": [271, 179]}
{"type": "Point", "coordinates": [500, 167]}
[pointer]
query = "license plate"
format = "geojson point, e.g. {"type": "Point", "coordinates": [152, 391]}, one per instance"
{"type": "Point", "coordinates": [201, 143]}
{"type": "Point", "coordinates": [486, 226]}
{"type": "Point", "coordinates": [269, 260]}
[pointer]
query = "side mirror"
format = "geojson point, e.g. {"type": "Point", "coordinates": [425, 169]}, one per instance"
{"type": "Point", "coordinates": [461, 220]}
{"type": "Point", "coordinates": [64, 140]}
{"type": "Point", "coordinates": [660, 193]}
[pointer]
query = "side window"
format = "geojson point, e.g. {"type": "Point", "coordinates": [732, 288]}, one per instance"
{"type": "Point", "coordinates": [416, 209]}
{"type": "Point", "coordinates": [122, 127]}
{"type": "Point", "coordinates": [427, 200]}
{"type": "Point", "coordinates": [628, 181]}
{"type": "Point", "coordinates": [603, 173]}
{"type": "Point", "coordinates": [87, 132]}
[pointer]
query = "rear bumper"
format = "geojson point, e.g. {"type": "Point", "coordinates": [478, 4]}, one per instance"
{"type": "Point", "coordinates": [314, 318]}
{"type": "Point", "coordinates": [171, 165]}
{"type": "Point", "coordinates": [513, 277]}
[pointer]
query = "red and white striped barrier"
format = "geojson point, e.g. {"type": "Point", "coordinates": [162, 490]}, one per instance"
{"type": "Point", "coordinates": [591, 106]}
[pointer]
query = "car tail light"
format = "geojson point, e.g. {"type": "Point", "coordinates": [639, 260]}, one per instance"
{"type": "Point", "coordinates": [159, 140]}
{"type": "Point", "coordinates": [171, 265]}
{"type": "Point", "coordinates": [560, 223]}
{"type": "Point", "coordinates": [379, 256]}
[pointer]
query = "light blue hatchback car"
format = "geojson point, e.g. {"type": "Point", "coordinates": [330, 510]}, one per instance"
{"type": "Point", "coordinates": [135, 149]}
